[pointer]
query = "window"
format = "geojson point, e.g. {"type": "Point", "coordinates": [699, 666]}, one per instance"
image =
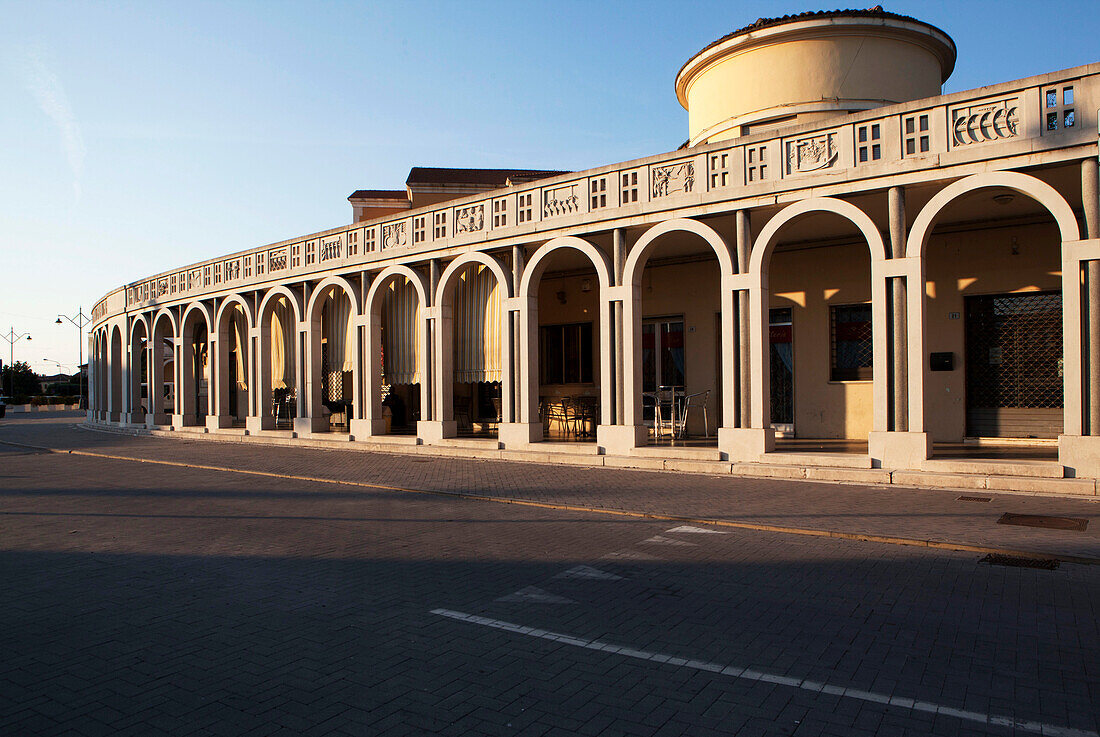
{"type": "Point", "coordinates": [719, 170]}
{"type": "Point", "coordinates": [296, 255]}
{"type": "Point", "coordinates": [917, 140]}
{"type": "Point", "coordinates": [565, 354]}
{"type": "Point", "coordinates": [247, 267]}
{"type": "Point", "coordinates": [870, 142]}
{"type": "Point", "coordinates": [1058, 108]}
{"type": "Point", "coordinates": [850, 342]}
{"type": "Point", "coordinates": [353, 242]}
{"type": "Point", "coordinates": [261, 262]}
{"type": "Point", "coordinates": [500, 213]}
{"type": "Point", "coordinates": [630, 187]}
{"type": "Point", "coordinates": [440, 226]}
{"type": "Point", "coordinates": [418, 229]}
{"type": "Point", "coordinates": [525, 208]}
{"type": "Point", "coordinates": [311, 252]}
{"type": "Point", "coordinates": [369, 239]}
{"type": "Point", "coordinates": [597, 188]}
{"type": "Point", "coordinates": [756, 166]}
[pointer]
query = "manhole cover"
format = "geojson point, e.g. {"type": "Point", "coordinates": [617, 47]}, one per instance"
{"type": "Point", "coordinates": [1075, 524]}
{"type": "Point", "coordinates": [1014, 561]}
{"type": "Point", "coordinates": [974, 499]}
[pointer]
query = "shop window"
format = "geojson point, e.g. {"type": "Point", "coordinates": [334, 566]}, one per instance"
{"type": "Point", "coordinates": [870, 142]}
{"type": "Point", "coordinates": [850, 342]}
{"type": "Point", "coordinates": [565, 354]}
{"type": "Point", "coordinates": [630, 187]}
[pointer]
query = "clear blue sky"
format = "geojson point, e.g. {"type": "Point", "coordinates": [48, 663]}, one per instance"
{"type": "Point", "coordinates": [138, 137]}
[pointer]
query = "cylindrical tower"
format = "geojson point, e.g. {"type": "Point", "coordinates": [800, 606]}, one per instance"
{"type": "Point", "coordinates": [805, 67]}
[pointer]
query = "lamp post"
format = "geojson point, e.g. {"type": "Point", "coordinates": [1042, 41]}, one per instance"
{"type": "Point", "coordinates": [80, 320]}
{"type": "Point", "coordinates": [13, 337]}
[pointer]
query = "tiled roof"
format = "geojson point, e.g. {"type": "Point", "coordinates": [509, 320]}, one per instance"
{"type": "Point", "coordinates": [487, 177]}
{"type": "Point", "coordinates": [379, 194]}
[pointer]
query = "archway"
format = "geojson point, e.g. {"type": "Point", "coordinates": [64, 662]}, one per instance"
{"type": "Point", "coordinates": [333, 362]}
{"type": "Point", "coordinates": [138, 373]}
{"type": "Point", "coordinates": [162, 370]}
{"type": "Point", "coordinates": [194, 366]}
{"type": "Point", "coordinates": [830, 304]}
{"type": "Point", "coordinates": [566, 382]}
{"type": "Point", "coordinates": [232, 370]}
{"type": "Point", "coordinates": [474, 387]}
{"type": "Point", "coordinates": [396, 396]}
{"type": "Point", "coordinates": [678, 326]}
{"type": "Point", "coordinates": [279, 318]}
{"type": "Point", "coordinates": [999, 294]}
{"type": "Point", "coordinates": [114, 373]}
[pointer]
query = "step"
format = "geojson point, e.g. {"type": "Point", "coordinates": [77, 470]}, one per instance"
{"type": "Point", "coordinates": [684, 453]}
{"type": "Point", "coordinates": [383, 440]}
{"type": "Point", "coordinates": [817, 460]}
{"type": "Point", "coordinates": [471, 443]}
{"type": "Point", "coordinates": [578, 448]}
{"type": "Point", "coordinates": [996, 467]}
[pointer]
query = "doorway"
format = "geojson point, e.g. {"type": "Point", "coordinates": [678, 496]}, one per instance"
{"type": "Point", "coordinates": [662, 357]}
{"type": "Point", "coordinates": [781, 335]}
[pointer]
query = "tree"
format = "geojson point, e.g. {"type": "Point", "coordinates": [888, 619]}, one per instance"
{"type": "Point", "coordinates": [25, 380]}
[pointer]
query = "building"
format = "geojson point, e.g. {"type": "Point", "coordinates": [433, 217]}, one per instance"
{"type": "Point", "coordinates": [839, 256]}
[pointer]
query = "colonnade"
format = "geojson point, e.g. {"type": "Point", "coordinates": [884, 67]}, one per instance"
{"type": "Point", "coordinates": [898, 437]}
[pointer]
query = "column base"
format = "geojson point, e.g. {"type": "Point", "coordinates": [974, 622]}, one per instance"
{"type": "Point", "coordinates": [153, 421]}
{"type": "Point", "coordinates": [185, 420]}
{"type": "Point", "coordinates": [515, 435]}
{"type": "Point", "coordinates": [367, 428]}
{"type": "Point", "coordinates": [904, 450]}
{"type": "Point", "coordinates": [217, 422]}
{"type": "Point", "coordinates": [134, 418]}
{"type": "Point", "coordinates": [618, 440]}
{"type": "Point", "coordinates": [304, 426]}
{"type": "Point", "coordinates": [745, 443]}
{"type": "Point", "coordinates": [431, 431]}
{"type": "Point", "coordinates": [253, 425]}
{"type": "Point", "coordinates": [1080, 455]}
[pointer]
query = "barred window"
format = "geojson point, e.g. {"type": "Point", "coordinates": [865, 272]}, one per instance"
{"type": "Point", "coordinates": [850, 342]}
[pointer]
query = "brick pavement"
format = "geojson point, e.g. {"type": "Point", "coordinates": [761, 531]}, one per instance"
{"type": "Point", "coordinates": [920, 514]}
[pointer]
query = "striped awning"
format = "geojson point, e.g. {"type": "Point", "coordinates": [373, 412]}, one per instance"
{"type": "Point", "coordinates": [477, 341]}
{"type": "Point", "coordinates": [400, 333]}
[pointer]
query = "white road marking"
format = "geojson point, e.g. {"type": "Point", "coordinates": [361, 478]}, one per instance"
{"type": "Point", "coordinates": [662, 540]}
{"type": "Point", "coordinates": [629, 555]}
{"type": "Point", "coordinates": [588, 573]}
{"type": "Point", "coordinates": [1041, 728]}
{"type": "Point", "coordinates": [698, 530]}
{"type": "Point", "coordinates": [535, 595]}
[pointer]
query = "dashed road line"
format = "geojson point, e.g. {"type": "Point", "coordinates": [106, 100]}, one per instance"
{"type": "Point", "coordinates": [749, 674]}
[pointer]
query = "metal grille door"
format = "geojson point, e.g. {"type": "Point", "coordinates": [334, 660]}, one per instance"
{"type": "Point", "coordinates": [1014, 365]}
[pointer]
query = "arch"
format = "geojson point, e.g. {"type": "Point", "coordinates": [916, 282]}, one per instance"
{"type": "Point", "coordinates": [383, 278]}
{"type": "Point", "coordinates": [529, 345]}
{"type": "Point", "coordinates": [139, 320]}
{"type": "Point", "coordinates": [265, 384]}
{"type": "Point", "coordinates": [532, 273]}
{"type": "Point", "coordinates": [639, 253]}
{"type": "Point", "coordinates": [165, 313]}
{"type": "Point", "coordinates": [759, 262]}
{"type": "Point", "coordinates": [1056, 205]}
{"type": "Point", "coordinates": [312, 359]}
{"type": "Point", "coordinates": [765, 241]}
{"type": "Point", "coordinates": [220, 389]}
{"type": "Point", "coordinates": [192, 308]}
{"type": "Point", "coordinates": [273, 294]}
{"type": "Point", "coordinates": [157, 385]}
{"type": "Point", "coordinates": [190, 388]}
{"type": "Point", "coordinates": [443, 380]}
{"type": "Point", "coordinates": [114, 370]}
{"type": "Point", "coordinates": [633, 270]}
{"type": "Point", "coordinates": [318, 294]}
{"type": "Point", "coordinates": [245, 307]}
{"type": "Point", "coordinates": [139, 340]}
{"type": "Point", "coordinates": [1025, 184]}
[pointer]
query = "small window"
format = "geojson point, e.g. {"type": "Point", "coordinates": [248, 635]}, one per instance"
{"type": "Point", "coordinates": [850, 342]}
{"type": "Point", "coordinates": [525, 208]}
{"type": "Point", "coordinates": [869, 148]}
{"type": "Point", "coordinates": [1058, 110]}
{"type": "Point", "coordinates": [597, 189]}
{"type": "Point", "coordinates": [565, 354]}
{"type": "Point", "coordinates": [719, 170]}
{"type": "Point", "coordinates": [630, 187]}
{"type": "Point", "coordinates": [419, 228]}
{"type": "Point", "coordinates": [439, 227]}
{"type": "Point", "coordinates": [500, 213]}
{"type": "Point", "coordinates": [755, 167]}
{"type": "Point", "coordinates": [917, 138]}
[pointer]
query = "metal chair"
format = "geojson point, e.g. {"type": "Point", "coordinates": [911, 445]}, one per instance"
{"type": "Point", "coordinates": [698, 399]}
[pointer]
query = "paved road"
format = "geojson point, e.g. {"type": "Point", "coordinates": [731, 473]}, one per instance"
{"type": "Point", "coordinates": [151, 599]}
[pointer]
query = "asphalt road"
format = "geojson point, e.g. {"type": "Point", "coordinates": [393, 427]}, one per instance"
{"type": "Point", "coordinates": [151, 599]}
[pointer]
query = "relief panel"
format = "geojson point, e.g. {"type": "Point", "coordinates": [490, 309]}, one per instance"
{"type": "Point", "coordinates": [672, 179]}
{"type": "Point", "coordinates": [560, 200]}
{"type": "Point", "coordinates": [470, 219]}
{"type": "Point", "coordinates": [812, 153]}
{"type": "Point", "coordinates": [988, 121]}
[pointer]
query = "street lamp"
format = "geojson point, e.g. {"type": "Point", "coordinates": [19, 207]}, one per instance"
{"type": "Point", "coordinates": [80, 320]}
{"type": "Point", "coordinates": [12, 337]}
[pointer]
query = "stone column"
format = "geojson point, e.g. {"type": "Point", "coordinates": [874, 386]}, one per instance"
{"type": "Point", "coordinates": [1091, 205]}
{"type": "Point", "coordinates": [261, 416]}
{"type": "Point", "coordinates": [619, 259]}
{"type": "Point", "coordinates": [744, 248]}
{"type": "Point", "coordinates": [627, 430]}
{"type": "Point", "coordinates": [898, 343]}
{"type": "Point", "coordinates": [156, 415]}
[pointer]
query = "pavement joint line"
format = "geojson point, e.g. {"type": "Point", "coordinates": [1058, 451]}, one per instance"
{"type": "Point", "coordinates": [1035, 727]}
{"type": "Point", "coordinates": [735, 524]}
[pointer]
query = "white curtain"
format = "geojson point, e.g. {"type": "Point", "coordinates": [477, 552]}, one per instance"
{"type": "Point", "coordinates": [477, 339]}
{"type": "Point", "coordinates": [401, 333]}
{"type": "Point", "coordinates": [283, 330]}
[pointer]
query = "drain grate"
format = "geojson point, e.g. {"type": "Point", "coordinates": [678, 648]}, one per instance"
{"type": "Point", "coordinates": [1013, 561]}
{"type": "Point", "coordinates": [965, 498]}
{"type": "Point", "coordinates": [1073, 524]}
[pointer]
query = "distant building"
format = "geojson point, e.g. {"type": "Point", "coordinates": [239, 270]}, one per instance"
{"type": "Point", "coordinates": [839, 257]}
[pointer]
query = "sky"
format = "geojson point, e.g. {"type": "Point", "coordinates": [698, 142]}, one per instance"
{"type": "Point", "coordinates": [140, 137]}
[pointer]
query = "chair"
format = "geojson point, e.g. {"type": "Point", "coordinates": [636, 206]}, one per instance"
{"type": "Point", "coordinates": [665, 416]}
{"type": "Point", "coordinates": [698, 399]}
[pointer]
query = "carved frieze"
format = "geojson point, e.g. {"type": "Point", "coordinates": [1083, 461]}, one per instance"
{"type": "Point", "coordinates": [560, 201]}
{"type": "Point", "coordinates": [331, 248]}
{"type": "Point", "coordinates": [673, 179]}
{"type": "Point", "coordinates": [469, 219]}
{"type": "Point", "coordinates": [812, 153]}
{"type": "Point", "coordinates": [276, 259]}
{"type": "Point", "coordinates": [991, 121]}
{"type": "Point", "coordinates": [232, 269]}
{"type": "Point", "coordinates": [394, 235]}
